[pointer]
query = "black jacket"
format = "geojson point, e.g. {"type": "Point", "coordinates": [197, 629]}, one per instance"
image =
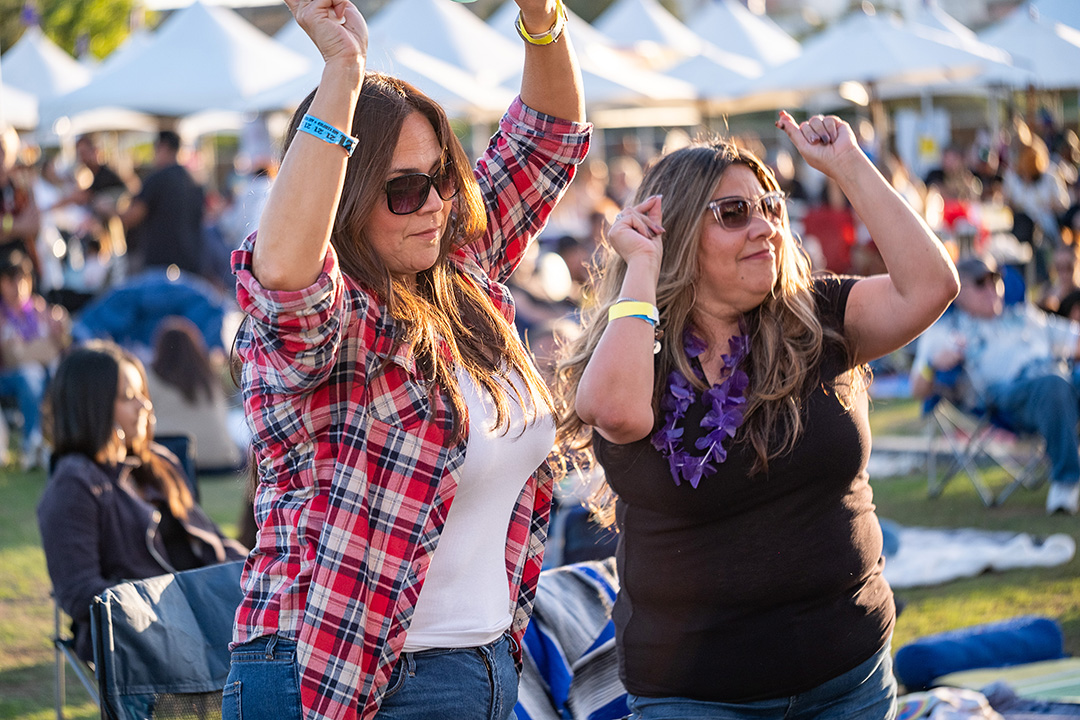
{"type": "Point", "coordinates": [98, 531]}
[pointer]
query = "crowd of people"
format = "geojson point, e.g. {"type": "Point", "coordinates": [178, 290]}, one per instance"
{"type": "Point", "coordinates": [75, 233]}
{"type": "Point", "coordinates": [694, 329]}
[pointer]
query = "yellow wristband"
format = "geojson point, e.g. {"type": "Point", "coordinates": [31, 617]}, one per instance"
{"type": "Point", "coordinates": [8, 222]}
{"type": "Point", "coordinates": [553, 33]}
{"type": "Point", "coordinates": [928, 373]}
{"type": "Point", "coordinates": [633, 308]}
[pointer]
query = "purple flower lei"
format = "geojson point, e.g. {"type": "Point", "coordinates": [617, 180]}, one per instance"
{"type": "Point", "coordinates": [723, 419]}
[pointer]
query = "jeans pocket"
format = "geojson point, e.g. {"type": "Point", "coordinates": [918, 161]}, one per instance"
{"type": "Point", "coordinates": [230, 701]}
{"type": "Point", "coordinates": [397, 678]}
{"type": "Point", "coordinates": [261, 689]}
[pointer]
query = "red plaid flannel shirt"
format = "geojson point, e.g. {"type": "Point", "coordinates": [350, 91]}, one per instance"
{"type": "Point", "coordinates": [356, 469]}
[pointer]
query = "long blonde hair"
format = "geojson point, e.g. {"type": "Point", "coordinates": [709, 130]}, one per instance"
{"type": "Point", "coordinates": [786, 337]}
{"type": "Point", "coordinates": [445, 305]}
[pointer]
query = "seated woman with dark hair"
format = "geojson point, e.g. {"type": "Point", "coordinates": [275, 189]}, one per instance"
{"type": "Point", "coordinates": [188, 394]}
{"type": "Point", "coordinates": [116, 506]}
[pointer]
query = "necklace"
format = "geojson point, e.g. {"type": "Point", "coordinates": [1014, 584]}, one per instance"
{"type": "Point", "coordinates": [725, 401]}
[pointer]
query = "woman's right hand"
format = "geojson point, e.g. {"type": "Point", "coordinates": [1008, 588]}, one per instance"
{"type": "Point", "coordinates": [335, 26]}
{"type": "Point", "coordinates": [637, 233]}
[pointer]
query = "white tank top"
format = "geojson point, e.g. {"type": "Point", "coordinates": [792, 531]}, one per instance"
{"type": "Point", "coordinates": [465, 600]}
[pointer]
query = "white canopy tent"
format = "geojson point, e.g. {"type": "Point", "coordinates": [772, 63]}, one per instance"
{"type": "Point", "coordinates": [292, 36]}
{"type": "Point", "coordinates": [649, 29]}
{"type": "Point", "coordinates": [456, 90]}
{"type": "Point", "coordinates": [18, 109]}
{"type": "Point", "coordinates": [444, 68]}
{"type": "Point", "coordinates": [1062, 11]}
{"type": "Point", "coordinates": [1048, 50]}
{"type": "Point", "coordinates": [873, 49]}
{"type": "Point", "coordinates": [717, 75]}
{"type": "Point", "coordinates": [37, 65]}
{"type": "Point", "coordinates": [611, 77]}
{"type": "Point", "coordinates": [929, 19]}
{"type": "Point", "coordinates": [446, 31]}
{"type": "Point", "coordinates": [743, 33]}
{"type": "Point", "coordinates": [133, 44]}
{"type": "Point", "coordinates": [201, 58]}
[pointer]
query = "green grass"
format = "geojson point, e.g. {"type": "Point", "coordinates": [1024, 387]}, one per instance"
{"type": "Point", "coordinates": [26, 660]}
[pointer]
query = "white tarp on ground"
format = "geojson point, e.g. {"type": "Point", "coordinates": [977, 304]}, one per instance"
{"type": "Point", "coordinates": [37, 65]}
{"type": "Point", "coordinates": [741, 32]}
{"type": "Point", "coordinates": [201, 58]}
{"type": "Point", "coordinates": [1049, 50]}
{"type": "Point", "coordinates": [931, 556]}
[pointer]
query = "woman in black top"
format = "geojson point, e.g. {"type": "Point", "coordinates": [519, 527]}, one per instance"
{"type": "Point", "coordinates": [749, 555]}
{"type": "Point", "coordinates": [116, 506]}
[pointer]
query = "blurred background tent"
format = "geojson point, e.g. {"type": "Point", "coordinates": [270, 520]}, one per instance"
{"type": "Point", "coordinates": [1045, 48]}
{"type": "Point", "coordinates": [17, 108]}
{"type": "Point", "coordinates": [652, 32]}
{"type": "Point", "coordinates": [744, 33]}
{"type": "Point", "coordinates": [201, 58]}
{"type": "Point", "coordinates": [614, 79]}
{"type": "Point", "coordinates": [37, 65]}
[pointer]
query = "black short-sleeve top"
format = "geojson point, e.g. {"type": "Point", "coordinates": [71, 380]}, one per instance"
{"type": "Point", "coordinates": [753, 585]}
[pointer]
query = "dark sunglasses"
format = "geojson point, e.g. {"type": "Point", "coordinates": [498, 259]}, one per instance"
{"type": "Point", "coordinates": [991, 278]}
{"type": "Point", "coordinates": [406, 194]}
{"type": "Point", "coordinates": [734, 213]}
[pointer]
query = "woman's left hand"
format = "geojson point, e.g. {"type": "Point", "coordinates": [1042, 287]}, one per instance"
{"type": "Point", "coordinates": [824, 141]}
{"type": "Point", "coordinates": [537, 15]}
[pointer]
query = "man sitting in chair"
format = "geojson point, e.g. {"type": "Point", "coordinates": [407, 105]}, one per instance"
{"type": "Point", "coordinates": [1017, 360]}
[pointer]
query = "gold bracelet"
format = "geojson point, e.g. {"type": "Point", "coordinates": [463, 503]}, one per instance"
{"type": "Point", "coordinates": [553, 33]}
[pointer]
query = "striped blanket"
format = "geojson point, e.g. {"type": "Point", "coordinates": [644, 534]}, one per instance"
{"type": "Point", "coordinates": [570, 667]}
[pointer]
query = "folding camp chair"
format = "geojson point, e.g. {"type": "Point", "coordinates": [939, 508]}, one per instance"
{"type": "Point", "coordinates": [161, 645]}
{"type": "Point", "coordinates": [64, 650]}
{"type": "Point", "coordinates": [977, 436]}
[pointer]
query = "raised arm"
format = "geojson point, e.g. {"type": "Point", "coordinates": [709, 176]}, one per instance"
{"type": "Point", "coordinates": [616, 387]}
{"type": "Point", "coordinates": [551, 81]}
{"type": "Point", "coordinates": [294, 231]}
{"type": "Point", "coordinates": [884, 312]}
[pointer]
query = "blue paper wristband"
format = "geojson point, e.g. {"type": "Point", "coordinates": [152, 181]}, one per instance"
{"type": "Point", "coordinates": [327, 133]}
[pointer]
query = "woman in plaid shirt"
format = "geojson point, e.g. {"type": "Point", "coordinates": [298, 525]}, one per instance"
{"type": "Point", "coordinates": [394, 410]}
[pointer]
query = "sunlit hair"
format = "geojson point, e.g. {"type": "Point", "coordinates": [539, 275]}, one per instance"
{"type": "Point", "coordinates": [80, 417]}
{"type": "Point", "coordinates": [786, 337]}
{"type": "Point", "coordinates": [445, 304]}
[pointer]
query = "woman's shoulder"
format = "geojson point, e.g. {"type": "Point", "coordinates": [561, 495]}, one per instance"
{"type": "Point", "coordinates": [72, 472]}
{"type": "Point", "coordinates": [830, 291]}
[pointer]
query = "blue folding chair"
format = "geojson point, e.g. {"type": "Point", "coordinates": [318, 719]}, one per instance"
{"type": "Point", "coordinates": [978, 436]}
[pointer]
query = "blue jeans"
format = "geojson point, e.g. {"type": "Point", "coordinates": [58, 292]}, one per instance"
{"type": "Point", "coordinates": [1050, 406]}
{"type": "Point", "coordinates": [27, 386]}
{"type": "Point", "coordinates": [478, 683]}
{"type": "Point", "coordinates": [866, 693]}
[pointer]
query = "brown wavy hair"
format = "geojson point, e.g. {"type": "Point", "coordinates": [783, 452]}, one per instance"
{"type": "Point", "coordinates": [445, 305]}
{"type": "Point", "coordinates": [786, 337]}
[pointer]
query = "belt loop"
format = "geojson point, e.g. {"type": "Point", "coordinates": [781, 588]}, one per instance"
{"type": "Point", "coordinates": [514, 646]}
{"type": "Point", "coordinates": [271, 646]}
